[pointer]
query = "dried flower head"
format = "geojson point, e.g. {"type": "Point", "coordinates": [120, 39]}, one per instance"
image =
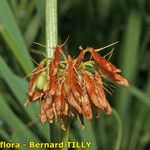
{"type": "Point", "coordinates": [73, 87]}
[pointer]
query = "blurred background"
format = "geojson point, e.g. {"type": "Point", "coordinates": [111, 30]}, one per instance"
{"type": "Point", "coordinates": [95, 23]}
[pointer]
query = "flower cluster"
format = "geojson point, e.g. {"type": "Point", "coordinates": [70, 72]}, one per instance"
{"type": "Point", "coordinates": [72, 87]}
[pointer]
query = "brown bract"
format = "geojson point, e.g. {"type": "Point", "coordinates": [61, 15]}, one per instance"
{"type": "Point", "coordinates": [71, 89]}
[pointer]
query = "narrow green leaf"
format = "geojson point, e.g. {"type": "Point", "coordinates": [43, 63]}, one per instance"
{"type": "Point", "coordinates": [87, 134]}
{"type": "Point", "coordinates": [19, 89]}
{"type": "Point", "coordinates": [12, 35]}
{"type": "Point", "coordinates": [119, 127]}
{"type": "Point", "coordinates": [129, 56]}
{"type": "Point", "coordinates": [21, 132]}
{"type": "Point", "coordinates": [143, 97]}
{"type": "Point", "coordinates": [4, 134]}
{"type": "Point", "coordinates": [101, 133]}
{"type": "Point", "coordinates": [40, 9]}
{"type": "Point", "coordinates": [137, 128]}
{"type": "Point", "coordinates": [33, 26]}
{"type": "Point", "coordinates": [128, 62]}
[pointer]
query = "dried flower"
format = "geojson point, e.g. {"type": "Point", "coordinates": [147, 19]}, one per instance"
{"type": "Point", "coordinates": [71, 89]}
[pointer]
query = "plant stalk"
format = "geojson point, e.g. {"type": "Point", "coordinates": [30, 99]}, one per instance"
{"type": "Point", "coordinates": [119, 124]}
{"type": "Point", "coordinates": [51, 26]}
{"type": "Point", "coordinates": [51, 42]}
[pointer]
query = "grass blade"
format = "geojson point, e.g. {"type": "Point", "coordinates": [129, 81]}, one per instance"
{"type": "Point", "coordinates": [18, 88]}
{"type": "Point", "coordinates": [12, 35]}
{"type": "Point", "coordinates": [21, 132]}
{"type": "Point", "coordinates": [129, 55]}
{"type": "Point", "coordinates": [87, 134]}
{"type": "Point", "coordinates": [128, 62]}
{"type": "Point", "coordinates": [143, 97]}
{"type": "Point", "coordinates": [32, 26]}
{"type": "Point", "coordinates": [4, 134]}
{"type": "Point", "coordinates": [119, 127]}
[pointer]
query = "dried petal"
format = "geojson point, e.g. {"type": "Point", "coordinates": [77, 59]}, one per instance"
{"type": "Point", "coordinates": [70, 98]}
{"type": "Point", "coordinates": [47, 107]}
{"type": "Point", "coordinates": [50, 114]}
{"type": "Point", "coordinates": [75, 87]}
{"type": "Point", "coordinates": [58, 100]}
{"type": "Point", "coordinates": [54, 111]}
{"type": "Point", "coordinates": [116, 77]}
{"type": "Point", "coordinates": [35, 96]}
{"type": "Point", "coordinates": [57, 56]}
{"type": "Point", "coordinates": [52, 82]}
{"type": "Point", "coordinates": [43, 116]}
{"type": "Point", "coordinates": [86, 106]}
{"type": "Point", "coordinates": [79, 59]}
{"type": "Point", "coordinates": [47, 102]}
{"type": "Point", "coordinates": [92, 91]}
{"type": "Point", "coordinates": [103, 62]}
{"type": "Point", "coordinates": [65, 106]}
{"type": "Point", "coordinates": [101, 92]}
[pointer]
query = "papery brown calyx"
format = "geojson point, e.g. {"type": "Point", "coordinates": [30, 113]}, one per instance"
{"type": "Point", "coordinates": [71, 89]}
{"type": "Point", "coordinates": [108, 69]}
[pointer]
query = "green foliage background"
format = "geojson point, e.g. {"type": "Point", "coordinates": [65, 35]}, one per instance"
{"type": "Point", "coordinates": [93, 23]}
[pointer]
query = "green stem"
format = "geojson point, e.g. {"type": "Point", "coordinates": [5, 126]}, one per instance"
{"type": "Point", "coordinates": [51, 26]}
{"type": "Point", "coordinates": [51, 41]}
{"type": "Point", "coordinates": [119, 123]}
